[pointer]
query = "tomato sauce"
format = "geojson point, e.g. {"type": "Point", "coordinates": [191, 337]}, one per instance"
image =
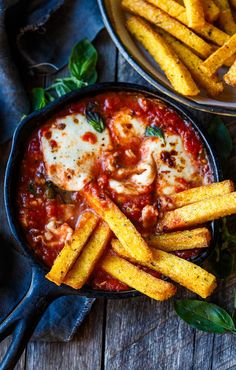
{"type": "Point", "coordinates": [48, 213]}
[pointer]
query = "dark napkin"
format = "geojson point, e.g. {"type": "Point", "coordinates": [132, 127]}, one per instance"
{"type": "Point", "coordinates": [62, 318]}
{"type": "Point", "coordinates": [31, 33]}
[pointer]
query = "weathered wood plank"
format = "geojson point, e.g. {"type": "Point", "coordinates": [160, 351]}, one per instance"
{"type": "Point", "coordinates": [84, 352]}
{"type": "Point", "coordinates": [142, 333]}
{"type": "Point", "coordinates": [4, 347]}
{"type": "Point", "coordinates": [224, 346]}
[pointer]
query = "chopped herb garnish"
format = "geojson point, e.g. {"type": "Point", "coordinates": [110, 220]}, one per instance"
{"type": "Point", "coordinates": [50, 191]}
{"type": "Point", "coordinates": [31, 188]}
{"type": "Point", "coordinates": [94, 118]}
{"type": "Point", "coordinates": [155, 131]}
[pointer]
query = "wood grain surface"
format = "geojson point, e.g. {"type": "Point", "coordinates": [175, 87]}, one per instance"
{"type": "Point", "coordinates": [139, 333]}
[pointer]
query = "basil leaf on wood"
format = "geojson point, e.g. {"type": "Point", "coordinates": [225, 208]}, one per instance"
{"type": "Point", "coordinates": [205, 316]}
{"type": "Point", "coordinates": [94, 118]}
{"type": "Point", "coordinates": [221, 137]}
{"type": "Point", "coordinates": [83, 60]}
{"type": "Point", "coordinates": [155, 131]}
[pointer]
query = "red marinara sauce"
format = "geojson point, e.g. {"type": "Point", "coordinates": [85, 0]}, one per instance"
{"type": "Point", "coordinates": [48, 214]}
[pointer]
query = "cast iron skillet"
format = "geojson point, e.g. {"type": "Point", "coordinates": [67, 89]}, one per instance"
{"type": "Point", "coordinates": [22, 321]}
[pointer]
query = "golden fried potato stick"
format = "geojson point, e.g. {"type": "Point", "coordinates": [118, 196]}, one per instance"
{"type": "Point", "coordinates": [174, 69]}
{"type": "Point", "coordinates": [217, 59]}
{"type": "Point", "coordinates": [195, 13]}
{"type": "Point", "coordinates": [193, 195]}
{"type": "Point", "coordinates": [181, 240]}
{"type": "Point", "coordinates": [68, 255]}
{"type": "Point", "coordinates": [226, 18]}
{"type": "Point", "coordinates": [138, 279]}
{"type": "Point", "coordinates": [169, 24]}
{"type": "Point", "coordinates": [199, 213]}
{"type": "Point", "coordinates": [121, 226]}
{"type": "Point", "coordinates": [177, 269]}
{"type": "Point", "coordinates": [212, 85]}
{"type": "Point", "coordinates": [230, 76]}
{"type": "Point", "coordinates": [178, 11]}
{"type": "Point", "coordinates": [93, 250]}
{"type": "Point", "coordinates": [211, 10]}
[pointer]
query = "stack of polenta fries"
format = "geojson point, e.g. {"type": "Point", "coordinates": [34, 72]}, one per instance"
{"type": "Point", "coordinates": [104, 228]}
{"type": "Point", "coordinates": [182, 39]}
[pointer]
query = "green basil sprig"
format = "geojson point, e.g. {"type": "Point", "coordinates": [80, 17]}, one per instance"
{"type": "Point", "coordinates": [205, 316]}
{"type": "Point", "coordinates": [94, 118]}
{"type": "Point", "coordinates": [65, 85]}
{"type": "Point", "coordinates": [83, 60]}
{"type": "Point", "coordinates": [82, 68]}
{"type": "Point", "coordinates": [155, 131]}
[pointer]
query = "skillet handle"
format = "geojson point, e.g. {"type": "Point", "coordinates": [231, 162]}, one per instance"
{"type": "Point", "coordinates": [22, 321]}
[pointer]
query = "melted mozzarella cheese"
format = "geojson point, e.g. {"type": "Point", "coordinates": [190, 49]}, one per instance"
{"type": "Point", "coordinates": [68, 155]}
{"type": "Point", "coordinates": [173, 162]}
{"type": "Point", "coordinates": [168, 162]}
{"type": "Point", "coordinates": [127, 128]}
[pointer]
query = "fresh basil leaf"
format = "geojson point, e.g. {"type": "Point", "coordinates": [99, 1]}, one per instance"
{"type": "Point", "coordinates": [155, 131]}
{"type": "Point", "coordinates": [94, 118]}
{"type": "Point", "coordinates": [83, 60]}
{"type": "Point", "coordinates": [50, 191]}
{"type": "Point", "coordinates": [31, 188]}
{"type": "Point", "coordinates": [38, 98]}
{"type": "Point", "coordinates": [65, 85]}
{"type": "Point", "coordinates": [205, 316]}
{"type": "Point", "coordinates": [221, 137]}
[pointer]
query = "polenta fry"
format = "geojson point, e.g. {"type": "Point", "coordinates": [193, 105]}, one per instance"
{"type": "Point", "coordinates": [72, 249]}
{"type": "Point", "coordinates": [181, 79]}
{"type": "Point", "coordinates": [90, 255]}
{"type": "Point", "coordinates": [195, 13]}
{"type": "Point", "coordinates": [169, 24]}
{"type": "Point", "coordinates": [193, 195]}
{"type": "Point", "coordinates": [230, 61]}
{"type": "Point", "coordinates": [226, 18]}
{"type": "Point", "coordinates": [199, 213]}
{"type": "Point", "coordinates": [138, 279]}
{"type": "Point", "coordinates": [217, 59]}
{"type": "Point", "coordinates": [119, 224]}
{"type": "Point", "coordinates": [177, 269]}
{"type": "Point", "coordinates": [230, 76]}
{"type": "Point", "coordinates": [211, 10]}
{"type": "Point", "coordinates": [178, 11]}
{"type": "Point", "coordinates": [213, 86]}
{"type": "Point", "coordinates": [181, 240]}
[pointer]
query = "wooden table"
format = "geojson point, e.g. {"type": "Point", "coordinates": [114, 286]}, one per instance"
{"type": "Point", "coordinates": [139, 333]}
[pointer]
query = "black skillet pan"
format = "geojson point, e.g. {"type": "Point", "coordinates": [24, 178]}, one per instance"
{"type": "Point", "coordinates": [22, 321]}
